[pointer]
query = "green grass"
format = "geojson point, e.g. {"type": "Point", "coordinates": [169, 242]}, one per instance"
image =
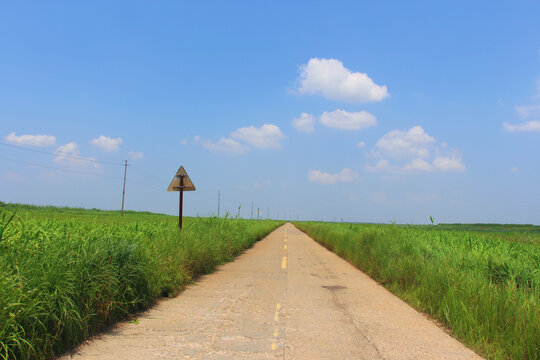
{"type": "Point", "coordinates": [484, 287]}
{"type": "Point", "coordinates": [67, 273]}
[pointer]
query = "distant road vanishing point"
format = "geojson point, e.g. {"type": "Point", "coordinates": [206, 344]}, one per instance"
{"type": "Point", "coordinates": [287, 297]}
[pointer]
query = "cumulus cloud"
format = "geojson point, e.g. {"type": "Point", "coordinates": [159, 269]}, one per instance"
{"type": "Point", "coordinates": [225, 145]}
{"type": "Point", "coordinates": [360, 144]}
{"type": "Point", "coordinates": [444, 163]}
{"type": "Point", "coordinates": [267, 136]}
{"type": "Point", "coordinates": [31, 140]}
{"type": "Point", "coordinates": [345, 175]}
{"type": "Point", "coordinates": [334, 81]}
{"type": "Point", "coordinates": [411, 143]}
{"type": "Point", "coordinates": [343, 120]}
{"type": "Point", "coordinates": [525, 111]}
{"type": "Point", "coordinates": [528, 126]}
{"type": "Point", "coordinates": [135, 155]}
{"type": "Point", "coordinates": [304, 123]}
{"type": "Point", "coordinates": [412, 150]}
{"type": "Point", "coordinates": [106, 143]}
{"type": "Point", "coordinates": [418, 164]}
{"type": "Point", "coordinates": [69, 154]}
{"type": "Point", "coordinates": [514, 170]}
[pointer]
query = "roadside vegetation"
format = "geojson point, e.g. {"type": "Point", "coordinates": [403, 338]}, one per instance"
{"type": "Point", "coordinates": [484, 287]}
{"type": "Point", "coordinates": [67, 273]}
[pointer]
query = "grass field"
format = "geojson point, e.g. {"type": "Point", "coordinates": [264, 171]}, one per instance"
{"type": "Point", "coordinates": [67, 273]}
{"type": "Point", "coordinates": [484, 287]}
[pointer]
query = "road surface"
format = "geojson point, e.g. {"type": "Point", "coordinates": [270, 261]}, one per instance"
{"type": "Point", "coordinates": [287, 297]}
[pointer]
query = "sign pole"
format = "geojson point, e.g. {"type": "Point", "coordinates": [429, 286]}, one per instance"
{"type": "Point", "coordinates": [181, 201]}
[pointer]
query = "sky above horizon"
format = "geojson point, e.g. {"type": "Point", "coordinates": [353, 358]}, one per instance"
{"type": "Point", "coordinates": [368, 112]}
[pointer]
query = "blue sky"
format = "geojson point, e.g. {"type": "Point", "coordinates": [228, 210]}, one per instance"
{"type": "Point", "coordinates": [369, 112]}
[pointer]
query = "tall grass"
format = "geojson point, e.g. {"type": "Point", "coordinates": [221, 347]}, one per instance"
{"type": "Point", "coordinates": [63, 280]}
{"type": "Point", "coordinates": [482, 287]}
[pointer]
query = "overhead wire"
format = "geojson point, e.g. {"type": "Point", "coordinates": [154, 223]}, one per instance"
{"type": "Point", "coordinates": [63, 154]}
{"type": "Point", "coordinates": [59, 169]}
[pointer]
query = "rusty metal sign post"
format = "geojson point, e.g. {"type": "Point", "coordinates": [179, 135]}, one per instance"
{"type": "Point", "coordinates": [181, 182]}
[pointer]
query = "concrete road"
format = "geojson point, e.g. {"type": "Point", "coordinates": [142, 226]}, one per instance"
{"type": "Point", "coordinates": [287, 297]}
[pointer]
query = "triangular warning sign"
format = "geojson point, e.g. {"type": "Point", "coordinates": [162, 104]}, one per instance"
{"type": "Point", "coordinates": [175, 183]}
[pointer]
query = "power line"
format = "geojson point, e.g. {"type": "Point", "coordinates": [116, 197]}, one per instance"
{"type": "Point", "coordinates": [59, 169]}
{"type": "Point", "coordinates": [62, 154]}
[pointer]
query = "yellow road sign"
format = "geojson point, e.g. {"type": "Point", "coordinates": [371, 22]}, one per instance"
{"type": "Point", "coordinates": [187, 183]}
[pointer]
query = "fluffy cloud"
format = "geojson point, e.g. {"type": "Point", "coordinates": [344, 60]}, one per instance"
{"type": "Point", "coordinates": [345, 175]}
{"type": "Point", "coordinates": [413, 149]}
{"type": "Point", "coordinates": [448, 164]}
{"type": "Point", "coordinates": [332, 80]}
{"type": "Point", "coordinates": [411, 143]}
{"type": "Point", "coordinates": [106, 143]}
{"type": "Point", "coordinates": [69, 154]}
{"type": "Point", "coordinates": [529, 126]}
{"type": "Point", "coordinates": [135, 155]}
{"type": "Point", "coordinates": [265, 137]}
{"type": "Point", "coordinates": [343, 120]}
{"type": "Point", "coordinates": [304, 123]}
{"type": "Point", "coordinates": [418, 165]}
{"type": "Point", "coordinates": [31, 140]}
{"type": "Point", "coordinates": [527, 110]}
{"type": "Point", "coordinates": [360, 144]}
{"type": "Point", "coordinates": [225, 145]}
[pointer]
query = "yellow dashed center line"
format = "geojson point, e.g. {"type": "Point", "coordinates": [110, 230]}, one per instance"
{"type": "Point", "coordinates": [276, 332]}
{"type": "Point", "coordinates": [285, 247]}
{"type": "Point", "coordinates": [273, 346]}
{"type": "Point", "coordinates": [276, 315]}
{"type": "Point", "coordinates": [284, 262]}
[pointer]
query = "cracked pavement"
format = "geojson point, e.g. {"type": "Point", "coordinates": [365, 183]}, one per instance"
{"type": "Point", "coordinates": [286, 297]}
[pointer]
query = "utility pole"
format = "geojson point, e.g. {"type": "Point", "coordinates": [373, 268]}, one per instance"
{"type": "Point", "coordinates": [251, 209]}
{"type": "Point", "coordinates": [268, 213]}
{"type": "Point", "coordinates": [124, 191]}
{"type": "Point", "coordinates": [258, 214]}
{"type": "Point", "coordinates": [218, 202]}
{"type": "Point", "coordinates": [278, 214]}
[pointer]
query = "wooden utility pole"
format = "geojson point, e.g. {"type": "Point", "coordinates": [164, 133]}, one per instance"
{"type": "Point", "coordinates": [124, 191]}
{"type": "Point", "coordinates": [218, 202]}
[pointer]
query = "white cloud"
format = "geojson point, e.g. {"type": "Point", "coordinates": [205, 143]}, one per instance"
{"type": "Point", "coordinates": [448, 164]}
{"type": "Point", "coordinates": [106, 143]}
{"type": "Point", "coordinates": [304, 123]}
{"type": "Point", "coordinates": [31, 140]}
{"type": "Point", "coordinates": [69, 154]}
{"type": "Point", "coordinates": [265, 137]}
{"type": "Point", "coordinates": [135, 155]}
{"type": "Point", "coordinates": [533, 125]}
{"type": "Point", "coordinates": [411, 143]}
{"type": "Point", "coordinates": [225, 145]}
{"type": "Point", "coordinates": [418, 165]}
{"type": "Point", "coordinates": [332, 80]}
{"type": "Point", "coordinates": [184, 141]}
{"type": "Point", "coordinates": [360, 144]}
{"type": "Point", "coordinates": [514, 170]}
{"type": "Point", "coordinates": [412, 151]}
{"type": "Point", "coordinates": [345, 175]}
{"type": "Point", "coordinates": [343, 120]}
{"type": "Point", "coordinates": [527, 110]}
